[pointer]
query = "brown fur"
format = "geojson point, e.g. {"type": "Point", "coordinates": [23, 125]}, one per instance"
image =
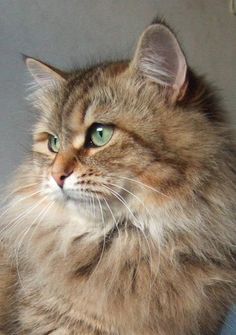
{"type": "Point", "coordinates": [167, 266]}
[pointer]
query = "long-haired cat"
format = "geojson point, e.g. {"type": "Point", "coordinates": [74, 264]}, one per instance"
{"type": "Point", "coordinates": [122, 219]}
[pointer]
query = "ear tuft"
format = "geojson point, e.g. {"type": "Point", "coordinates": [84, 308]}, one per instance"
{"type": "Point", "coordinates": [45, 75]}
{"type": "Point", "coordinates": [159, 58]}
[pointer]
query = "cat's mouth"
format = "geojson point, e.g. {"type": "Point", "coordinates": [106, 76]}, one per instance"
{"type": "Point", "coordinates": [82, 196]}
{"type": "Point", "coordinates": [72, 192]}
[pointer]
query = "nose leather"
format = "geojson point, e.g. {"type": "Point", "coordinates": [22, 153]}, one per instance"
{"type": "Point", "coordinates": [63, 167]}
{"type": "Point", "coordinates": [60, 177]}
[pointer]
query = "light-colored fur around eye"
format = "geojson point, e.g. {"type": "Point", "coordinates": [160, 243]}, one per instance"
{"type": "Point", "coordinates": [157, 256]}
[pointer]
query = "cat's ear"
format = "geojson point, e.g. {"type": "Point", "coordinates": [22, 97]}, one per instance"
{"type": "Point", "coordinates": [159, 58]}
{"type": "Point", "coordinates": [44, 75]}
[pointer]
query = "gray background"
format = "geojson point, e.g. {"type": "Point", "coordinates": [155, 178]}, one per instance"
{"type": "Point", "coordinates": [69, 32]}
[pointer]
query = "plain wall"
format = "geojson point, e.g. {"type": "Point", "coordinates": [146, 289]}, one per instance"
{"type": "Point", "coordinates": [69, 32]}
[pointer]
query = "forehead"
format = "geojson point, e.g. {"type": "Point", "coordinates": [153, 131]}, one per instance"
{"type": "Point", "coordinates": [85, 95]}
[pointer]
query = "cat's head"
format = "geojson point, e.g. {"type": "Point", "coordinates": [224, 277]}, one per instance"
{"type": "Point", "coordinates": [120, 136]}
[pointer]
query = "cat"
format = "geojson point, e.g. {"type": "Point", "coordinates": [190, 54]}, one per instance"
{"type": "Point", "coordinates": [122, 219]}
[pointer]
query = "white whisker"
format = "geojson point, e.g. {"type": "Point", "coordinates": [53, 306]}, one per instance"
{"type": "Point", "coordinates": [145, 185]}
{"type": "Point", "coordinates": [43, 213]}
{"type": "Point", "coordinates": [122, 200]}
{"type": "Point", "coordinates": [140, 226]}
{"type": "Point", "coordinates": [46, 210]}
{"type": "Point", "coordinates": [11, 204]}
{"type": "Point", "coordinates": [103, 247]}
{"type": "Point", "coordinates": [20, 189]}
{"type": "Point", "coordinates": [135, 196]}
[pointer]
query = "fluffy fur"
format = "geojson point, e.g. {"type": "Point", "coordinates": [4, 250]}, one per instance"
{"type": "Point", "coordinates": [141, 239]}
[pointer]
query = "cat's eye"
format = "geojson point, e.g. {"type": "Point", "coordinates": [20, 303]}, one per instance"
{"type": "Point", "coordinates": [99, 135]}
{"type": "Point", "coordinates": [53, 143]}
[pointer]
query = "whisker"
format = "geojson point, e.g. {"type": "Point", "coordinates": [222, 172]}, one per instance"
{"type": "Point", "coordinates": [42, 217]}
{"type": "Point", "coordinates": [22, 237]}
{"type": "Point", "coordinates": [20, 217]}
{"type": "Point", "coordinates": [131, 193]}
{"type": "Point", "coordinates": [19, 189]}
{"type": "Point", "coordinates": [122, 200]}
{"type": "Point", "coordinates": [24, 213]}
{"type": "Point", "coordinates": [10, 205]}
{"type": "Point", "coordinates": [94, 209]}
{"type": "Point", "coordinates": [104, 240]}
{"type": "Point", "coordinates": [113, 216]}
{"type": "Point", "coordinates": [138, 226]}
{"type": "Point", "coordinates": [145, 185]}
{"type": "Point", "coordinates": [135, 196]}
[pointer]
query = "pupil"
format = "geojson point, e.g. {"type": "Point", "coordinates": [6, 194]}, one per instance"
{"type": "Point", "coordinates": [100, 132]}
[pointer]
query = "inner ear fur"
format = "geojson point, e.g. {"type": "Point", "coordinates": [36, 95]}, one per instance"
{"type": "Point", "coordinates": [160, 59]}
{"type": "Point", "coordinates": [44, 74]}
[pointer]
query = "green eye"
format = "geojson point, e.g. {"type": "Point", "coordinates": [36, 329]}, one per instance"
{"type": "Point", "coordinates": [53, 143]}
{"type": "Point", "coordinates": [100, 134]}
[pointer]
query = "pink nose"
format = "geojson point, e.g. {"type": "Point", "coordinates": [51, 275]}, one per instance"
{"type": "Point", "coordinates": [60, 177]}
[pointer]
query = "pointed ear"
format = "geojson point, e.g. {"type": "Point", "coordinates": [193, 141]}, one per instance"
{"type": "Point", "coordinates": [45, 75]}
{"type": "Point", "coordinates": [159, 58]}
